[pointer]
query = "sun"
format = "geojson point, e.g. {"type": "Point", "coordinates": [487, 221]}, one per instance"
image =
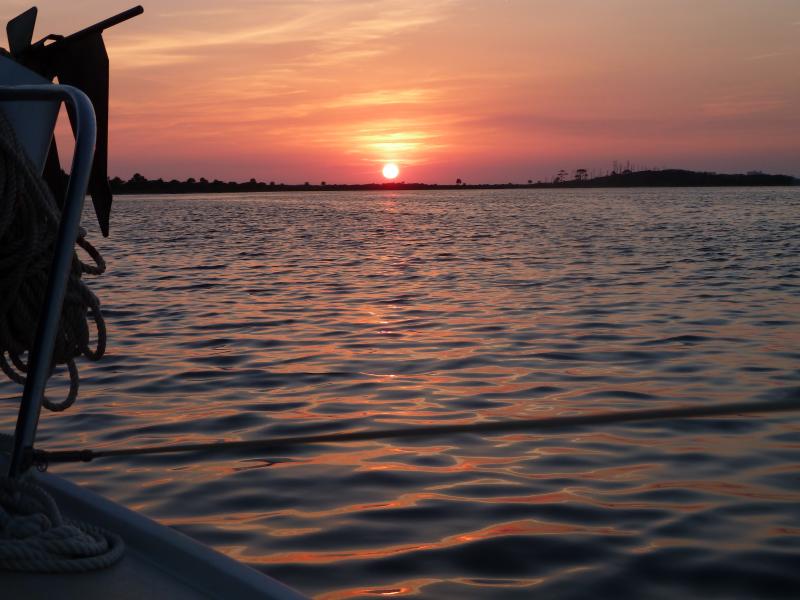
{"type": "Point", "coordinates": [390, 170]}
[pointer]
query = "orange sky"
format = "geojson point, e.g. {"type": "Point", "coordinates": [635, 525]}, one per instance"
{"type": "Point", "coordinates": [482, 90]}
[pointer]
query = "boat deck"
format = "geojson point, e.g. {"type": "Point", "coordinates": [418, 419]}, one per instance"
{"type": "Point", "coordinates": [159, 562]}
{"type": "Point", "coordinates": [135, 577]}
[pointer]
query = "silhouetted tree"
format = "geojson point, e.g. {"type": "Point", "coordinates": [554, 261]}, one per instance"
{"type": "Point", "coordinates": [580, 174]}
{"type": "Point", "coordinates": [458, 181]}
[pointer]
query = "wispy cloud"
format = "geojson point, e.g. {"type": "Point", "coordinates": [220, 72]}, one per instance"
{"type": "Point", "coordinates": [735, 107]}
{"type": "Point", "coordinates": [766, 55]}
{"type": "Point", "coordinates": [385, 97]}
{"type": "Point", "coordinates": [327, 31]}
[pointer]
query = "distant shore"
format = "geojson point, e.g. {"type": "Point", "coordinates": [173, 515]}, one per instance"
{"type": "Point", "coordinates": [139, 184]}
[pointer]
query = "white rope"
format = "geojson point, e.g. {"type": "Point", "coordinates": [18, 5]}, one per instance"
{"type": "Point", "coordinates": [35, 537]}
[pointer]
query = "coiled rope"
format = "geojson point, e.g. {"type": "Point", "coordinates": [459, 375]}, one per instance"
{"type": "Point", "coordinates": [29, 220]}
{"type": "Point", "coordinates": [33, 534]}
{"type": "Point", "coordinates": [35, 537]}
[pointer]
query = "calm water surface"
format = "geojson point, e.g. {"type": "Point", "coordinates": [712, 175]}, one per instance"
{"type": "Point", "coordinates": [242, 316]}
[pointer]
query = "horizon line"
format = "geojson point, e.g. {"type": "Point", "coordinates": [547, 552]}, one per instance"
{"type": "Point", "coordinates": [138, 179]}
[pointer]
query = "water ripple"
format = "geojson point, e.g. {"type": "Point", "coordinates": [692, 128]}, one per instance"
{"type": "Point", "coordinates": [242, 316]}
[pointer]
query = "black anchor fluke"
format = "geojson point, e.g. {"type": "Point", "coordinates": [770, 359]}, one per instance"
{"type": "Point", "coordinates": [79, 60]}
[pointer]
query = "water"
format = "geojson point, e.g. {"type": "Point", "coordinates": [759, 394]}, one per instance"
{"type": "Point", "coordinates": [242, 316]}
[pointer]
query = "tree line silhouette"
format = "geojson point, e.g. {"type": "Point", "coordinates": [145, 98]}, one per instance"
{"type": "Point", "coordinates": [139, 184]}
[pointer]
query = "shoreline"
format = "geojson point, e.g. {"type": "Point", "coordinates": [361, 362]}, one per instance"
{"type": "Point", "coordinates": [641, 179]}
{"type": "Point", "coordinates": [434, 188]}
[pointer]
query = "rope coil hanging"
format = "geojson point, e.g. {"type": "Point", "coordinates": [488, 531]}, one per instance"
{"type": "Point", "coordinates": [29, 218]}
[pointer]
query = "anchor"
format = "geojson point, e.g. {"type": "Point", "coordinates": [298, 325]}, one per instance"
{"type": "Point", "coordinates": [79, 60]}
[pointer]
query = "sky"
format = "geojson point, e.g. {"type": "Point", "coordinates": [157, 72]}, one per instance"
{"type": "Point", "coordinates": [479, 90]}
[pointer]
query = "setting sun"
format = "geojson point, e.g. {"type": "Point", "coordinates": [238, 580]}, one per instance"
{"type": "Point", "coordinates": [390, 170]}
